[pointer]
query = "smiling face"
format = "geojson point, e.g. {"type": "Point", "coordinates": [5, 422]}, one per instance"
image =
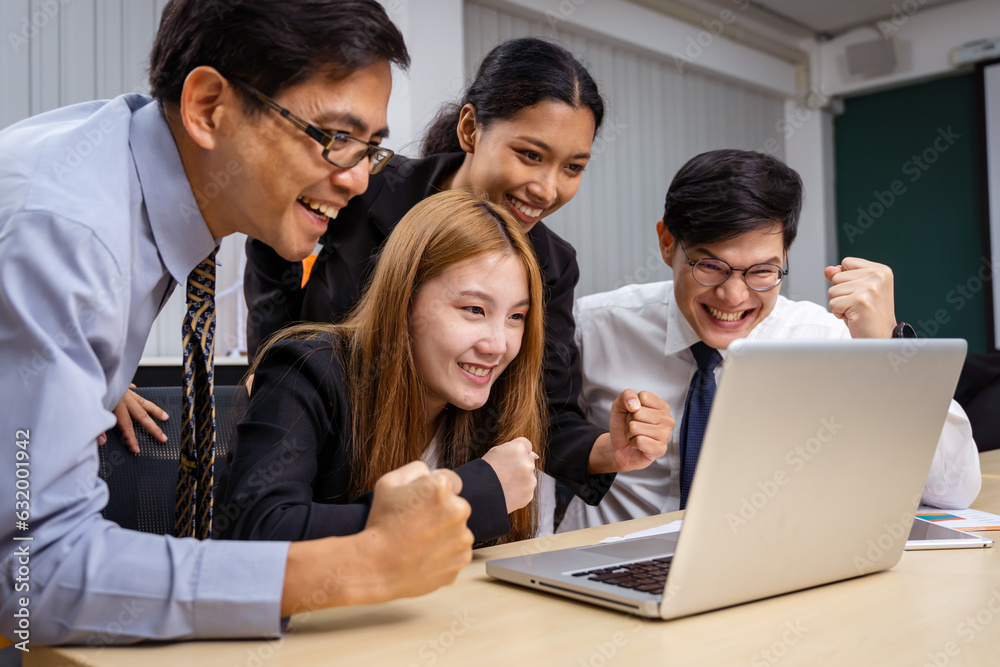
{"type": "Point", "coordinates": [532, 162]}
{"type": "Point", "coordinates": [726, 312]}
{"type": "Point", "coordinates": [283, 191]}
{"type": "Point", "coordinates": [466, 326]}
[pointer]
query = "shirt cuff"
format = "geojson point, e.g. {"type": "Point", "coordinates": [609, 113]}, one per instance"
{"type": "Point", "coordinates": [239, 589]}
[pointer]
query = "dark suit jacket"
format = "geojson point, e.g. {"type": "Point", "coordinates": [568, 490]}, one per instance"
{"type": "Point", "coordinates": [290, 471]}
{"type": "Point", "coordinates": [350, 246]}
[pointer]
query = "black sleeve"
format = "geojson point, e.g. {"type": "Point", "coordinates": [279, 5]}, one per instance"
{"type": "Point", "coordinates": [291, 449]}
{"type": "Point", "coordinates": [292, 433]}
{"type": "Point", "coordinates": [272, 287]}
{"type": "Point", "coordinates": [481, 487]}
{"type": "Point", "coordinates": [571, 436]}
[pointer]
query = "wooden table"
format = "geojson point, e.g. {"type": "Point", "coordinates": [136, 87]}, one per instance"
{"type": "Point", "coordinates": [934, 608]}
{"type": "Point", "coordinates": [990, 464]}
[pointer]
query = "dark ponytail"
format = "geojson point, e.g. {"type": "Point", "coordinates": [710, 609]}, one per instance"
{"type": "Point", "coordinates": [442, 136]}
{"type": "Point", "coordinates": [516, 75]}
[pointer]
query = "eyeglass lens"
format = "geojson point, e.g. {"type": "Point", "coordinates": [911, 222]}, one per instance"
{"type": "Point", "coordinates": [712, 272]}
{"type": "Point", "coordinates": [347, 151]}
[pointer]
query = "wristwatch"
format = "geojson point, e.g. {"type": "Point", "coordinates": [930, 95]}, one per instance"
{"type": "Point", "coordinates": [903, 330]}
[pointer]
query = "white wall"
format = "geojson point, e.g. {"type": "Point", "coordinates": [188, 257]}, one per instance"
{"type": "Point", "coordinates": [808, 132]}
{"type": "Point", "coordinates": [435, 39]}
{"type": "Point", "coordinates": [925, 38]}
{"type": "Point", "coordinates": [991, 76]}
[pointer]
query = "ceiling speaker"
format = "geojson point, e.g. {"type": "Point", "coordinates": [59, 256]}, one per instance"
{"type": "Point", "coordinates": [871, 58]}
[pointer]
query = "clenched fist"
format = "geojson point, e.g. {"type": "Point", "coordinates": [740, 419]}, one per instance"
{"type": "Point", "coordinates": [514, 464]}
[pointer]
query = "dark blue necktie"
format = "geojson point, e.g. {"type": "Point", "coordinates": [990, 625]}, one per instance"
{"type": "Point", "coordinates": [197, 465]}
{"type": "Point", "coordinates": [700, 395]}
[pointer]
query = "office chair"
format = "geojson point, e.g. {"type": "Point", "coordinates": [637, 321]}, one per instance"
{"type": "Point", "coordinates": [143, 488]}
{"type": "Point", "coordinates": [978, 393]}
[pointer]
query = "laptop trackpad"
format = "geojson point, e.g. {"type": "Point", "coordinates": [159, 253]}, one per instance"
{"type": "Point", "coordinates": [642, 547]}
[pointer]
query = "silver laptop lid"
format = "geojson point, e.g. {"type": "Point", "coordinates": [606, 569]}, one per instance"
{"type": "Point", "coordinates": [812, 466]}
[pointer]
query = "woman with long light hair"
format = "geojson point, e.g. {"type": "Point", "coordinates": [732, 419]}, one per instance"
{"type": "Point", "coordinates": [522, 134]}
{"type": "Point", "coordinates": [441, 360]}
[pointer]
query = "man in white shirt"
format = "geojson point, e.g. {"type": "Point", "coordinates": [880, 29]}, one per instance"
{"type": "Point", "coordinates": [729, 220]}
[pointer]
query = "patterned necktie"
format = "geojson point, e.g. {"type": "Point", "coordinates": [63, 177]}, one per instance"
{"type": "Point", "coordinates": [196, 471]}
{"type": "Point", "coordinates": [700, 395]}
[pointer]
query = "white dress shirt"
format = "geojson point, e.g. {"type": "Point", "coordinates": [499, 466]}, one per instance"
{"type": "Point", "coordinates": [97, 225]}
{"type": "Point", "coordinates": [636, 336]}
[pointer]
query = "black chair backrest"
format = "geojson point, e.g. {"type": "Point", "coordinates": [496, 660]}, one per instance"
{"type": "Point", "coordinates": [978, 393]}
{"type": "Point", "coordinates": [143, 487]}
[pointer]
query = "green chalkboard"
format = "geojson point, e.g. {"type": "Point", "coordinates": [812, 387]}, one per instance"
{"type": "Point", "coordinates": [909, 195]}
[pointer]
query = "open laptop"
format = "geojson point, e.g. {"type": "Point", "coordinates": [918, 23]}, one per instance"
{"type": "Point", "coordinates": [811, 469]}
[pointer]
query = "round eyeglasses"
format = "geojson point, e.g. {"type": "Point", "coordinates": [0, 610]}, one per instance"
{"type": "Point", "coordinates": [713, 272]}
{"type": "Point", "coordinates": [341, 150]}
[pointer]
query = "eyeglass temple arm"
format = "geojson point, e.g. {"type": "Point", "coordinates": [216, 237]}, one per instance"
{"type": "Point", "coordinates": [312, 131]}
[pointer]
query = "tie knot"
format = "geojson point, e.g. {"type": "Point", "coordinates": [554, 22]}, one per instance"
{"type": "Point", "coordinates": [707, 357]}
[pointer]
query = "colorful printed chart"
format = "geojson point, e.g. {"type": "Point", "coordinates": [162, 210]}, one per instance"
{"type": "Point", "coordinates": [968, 520]}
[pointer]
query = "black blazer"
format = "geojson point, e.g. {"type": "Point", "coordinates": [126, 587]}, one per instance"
{"type": "Point", "coordinates": [290, 471]}
{"type": "Point", "coordinates": [275, 298]}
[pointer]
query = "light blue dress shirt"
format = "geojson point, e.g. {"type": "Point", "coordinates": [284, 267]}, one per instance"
{"type": "Point", "coordinates": [97, 225]}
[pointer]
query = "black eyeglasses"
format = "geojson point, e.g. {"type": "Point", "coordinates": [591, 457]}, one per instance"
{"type": "Point", "coordinates": [713, 272]}
{"type": "Point", "coordinates": [341, 149]}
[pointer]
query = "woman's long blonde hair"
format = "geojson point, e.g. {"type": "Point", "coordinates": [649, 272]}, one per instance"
{"type": "Point", "coordinates": [388, 418]}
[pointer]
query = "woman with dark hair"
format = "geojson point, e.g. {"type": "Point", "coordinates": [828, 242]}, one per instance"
{"type": "Point", "coordinates": [441, 360]}
{"type": "Point", "coordinates": [521, 134]}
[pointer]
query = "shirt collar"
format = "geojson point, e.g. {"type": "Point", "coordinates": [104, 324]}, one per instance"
{"type": "Point", "coordinates": [680, 333]}
{"type": "Point", "coordinates": [181, 233]}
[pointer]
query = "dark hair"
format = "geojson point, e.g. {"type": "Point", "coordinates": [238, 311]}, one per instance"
{"type": "Point", "coordinates": [722, 194]}
{"type": "Point", "coordinates": [516, 75]}
{"type": "Point", "coordinates": [270, 44]}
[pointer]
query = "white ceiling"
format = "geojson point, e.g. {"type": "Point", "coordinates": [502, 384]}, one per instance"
{"type": "Point", "coordinates": [832, 17]}
{"type": "Point", "coordinates": [835, 16]}
{"type": "Point", "coordinates": [796, 19]}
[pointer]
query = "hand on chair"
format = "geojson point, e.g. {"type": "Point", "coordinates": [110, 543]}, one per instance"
{"type": "Point", "coordinates": [133, 406]}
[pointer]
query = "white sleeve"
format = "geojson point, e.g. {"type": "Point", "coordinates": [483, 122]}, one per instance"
{"type": "Point", "coordinates": [955, 478]}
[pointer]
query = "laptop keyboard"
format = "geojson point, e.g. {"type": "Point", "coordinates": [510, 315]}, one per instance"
{"type": "Point", "coordinates": [647, 576]}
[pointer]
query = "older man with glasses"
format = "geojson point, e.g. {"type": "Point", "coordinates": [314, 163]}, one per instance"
{"type": "Point", "coordinates": [90, 252]}
{"type": "Point", "coordinates": [728, 209]}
